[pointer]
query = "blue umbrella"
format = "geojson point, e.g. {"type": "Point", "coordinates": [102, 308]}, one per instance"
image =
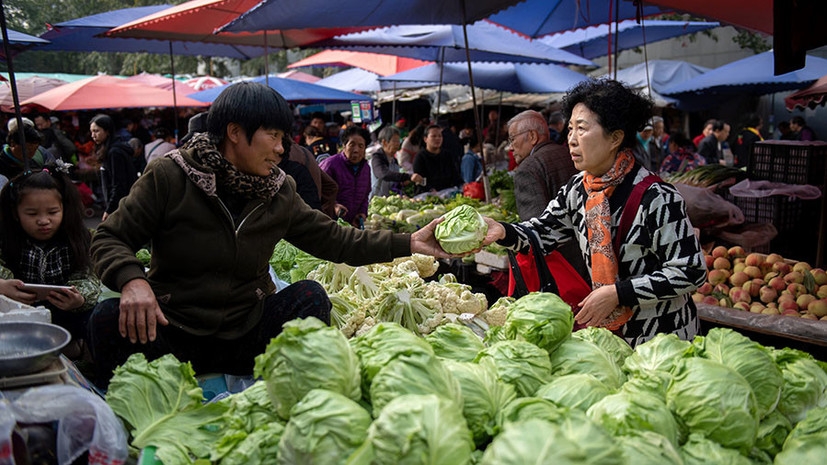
{"type": "Point", "coordinates": [659, 75]}
{"type": "Point", "coordinates": [291, 90]}
{"type": "Point", "coordinates": [298, 14]}
{"type": "Point", "coordinates": [19, 38]}
{"type": "Point", "coordinates": [752, 75]}
{"type": "Point", "coordinates": [507, 77]}
{"type": "Point", "coordinates": [592, 42]}
{"type": "Point", "coordinates": [487, 42]}
{"type": "Point", "coordinates": [536, 18]}
{"type": "Point", "coordinates": [85, 35]}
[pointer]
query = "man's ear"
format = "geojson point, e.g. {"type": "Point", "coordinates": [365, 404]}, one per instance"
{"type": "Point", "coordinates": [234, 133]}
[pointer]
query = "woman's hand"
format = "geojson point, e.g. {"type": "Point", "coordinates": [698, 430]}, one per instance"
{"type": "Point", "coordinates": [416, 178]}
{"type": "Point", "coordinates": [13, 289]}
{"type": "Point", "coordinates": [68, 299]}
{"type": "Point", "coordinates": [340, 210]}
{"type": "Point", "coordinates": [597, 306]}
{"type": "Point", "coordinates": [496, 231]}
{"type": "Point", "coordinates": [140, 313]}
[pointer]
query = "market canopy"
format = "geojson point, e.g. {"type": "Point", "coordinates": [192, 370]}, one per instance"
{"type": "Point", "coordinates": [354, 79]}
{"type": "Point", "coordinates": [18, 42]}
{"type": "Point", "coordinates": [291, 90]}
{"type": "Point", "coordinates": [506, 77]}
{"type": "Point", "coordinates": [593, 41]}
{"type": "Point", "coordinates": [811, 97]}
{"type": "Point", "coordinates": [487, 42]}
{"type": "Point", "coordinates": [659, 75]}
{"type": "Point", "coordinates": [299, 14]}
{"type": "Point", "coordinates": [198, 20]}
{"type": "Point", "coordinates": [156, 80]}
{"type": "Point", "coordinates": [86, 35]}
{"type": "Point", "coordinates": [537, 18]}
{"type": "Point", "coordinates": [100, 92]}
{"type": "Point", "coordinates": [377, 63]}
{"type": "Point", "coordinates": [299, 76]}
{"type": "Point", "coordinates": [26, 88]}
{"type": "Point", "coordinates": [752, 75]}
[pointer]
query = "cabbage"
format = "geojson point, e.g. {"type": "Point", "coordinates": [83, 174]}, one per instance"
{"type": "Point", "coordinates": [625, 413]}
{"type": "Point", "coordinates": [483, 396]}
{"type": "Point", "coordinates": [526, 408]}
{"type": "Point", "coordinates": [660, 353]}
{"type": "Point", "coordinates": [540, 442]}
{"type": "Point", "coordinates": [583, 357]}
{"type": "Point", "coordinates": [462, 230]}
{"type": "Point", "coordinates": [749, 359]}
{"type": "Point", "coordinates": [381, 344]}
{"type": "Point", "coordinates": [307, 355]}
{"type": "Point", "coordinates": [519, 363]}
{"type": "Point", "coordinates": [810, 449]}
{"type": "Point", "coordinates": [541, 318]}
{"type": "Point", "coordinates": [772, 431]}
{"type": "Point", "coordinates": [324, 427]}
{"type": "Point", "coordinates": [648, 448]}
{"type": "Point", "coordinates": [701, 451]}
{"type": "Point", "coordinates": [258, 447]}
{"type": "Point", "coordinates": [813, 425]}
{"type": "Point", "coordinates": [456, 342]}
{"type": "Point", "coordinates": [251, 427]}
{"type": "Point", "coordinates": [715, 401]}
{"type": "Point", "coordinates": [417, 430]}
{"type": "Point", "coordinates": [413, 374]}
{"type": "Point", "coordinates": [616, 347]}
{"type": "Point", "coordinates": [578, 391]}
{"type": "Point", "coordinates": [805, 383]}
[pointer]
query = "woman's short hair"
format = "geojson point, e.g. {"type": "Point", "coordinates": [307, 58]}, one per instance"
{"type": "Point", "coordinates": [355, 131]}
{"type": "Point", "coordinates": [617, 106]}
{"type": "Point", "coordinates": [387, 133]}
{"type": "Point", "coordinates": [250, 105]}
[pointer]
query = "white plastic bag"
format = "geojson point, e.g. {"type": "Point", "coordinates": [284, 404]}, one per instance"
{"type": "Point", "coordinates": [85, 422]}
{"type": "Point", "coordinates": [707, 209]}
{"type": "Point", "coordinates": [757, 189]}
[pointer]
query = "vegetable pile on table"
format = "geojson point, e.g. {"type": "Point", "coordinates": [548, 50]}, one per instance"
{"type": "Point", "coordinates": [530, 392]}
{"type": "Point", "coordinates": [402, 214]}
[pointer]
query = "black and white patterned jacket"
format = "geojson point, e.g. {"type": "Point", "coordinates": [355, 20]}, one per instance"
{"type": "Point", "coordinates": [660, 259]}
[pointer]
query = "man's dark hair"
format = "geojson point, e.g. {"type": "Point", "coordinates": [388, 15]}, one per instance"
{"type": "Point", "coordinates": [751, 120]}
{"type": "Point", "coordinates": [161, 133]}
{"type": "Point", "coordinates": [799, 120]}
{"type": "Point", "coordinates": [250, 105]}
{"type": "Point", "coordinates": [718, 125]}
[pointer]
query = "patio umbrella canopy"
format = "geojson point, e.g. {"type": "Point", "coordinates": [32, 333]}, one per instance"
{"type": "Point", "coordinates": [86, 34]}
{"type": "Point", "coordinates": [593, 41]}
{"type": "Point", "coordinates": [507, 77]}
{"type": "Point", "coordinates": [753, 75]}
{"type": "Point", "coordinates": [299, 76]}
{"type": "Point", "coordinates": [661, 74]}
{"type": "Point", "coordinates": [156, 80]}
{"type": "Point", "coordinates": [537, 18]}
{"type": "Point", "coordinates": [377, 63]}
{"type": "Point", "coordinates": [26, 88]}
{"type": "Point", "coordinates": [100, 92]}
{"type": "Point", "coordinates": [811, 97]}
{"type": "Point", "coordinates": [487, 42]}
{"type": "Point", "coordinates": [353, 79]}
{"type": "Point", "coordinates": [197, 21]}
{"type": "Point", "coordinates": [299, 14]}
{"type": "Point", "coordinates": [291, 90]}
{"type": "Point", "coordinates": [19, 41]}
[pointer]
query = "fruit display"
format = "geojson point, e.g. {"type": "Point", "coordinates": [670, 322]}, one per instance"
{"type": "Point", "coordinates": [765, 284]}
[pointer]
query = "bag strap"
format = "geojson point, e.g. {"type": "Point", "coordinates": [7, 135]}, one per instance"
{"type": "Point", "coordinates": [520, 288]}
{"type": "Point", "coordinates": [547, 282]}
{"type": "Point", "coordinates": [631, 207]}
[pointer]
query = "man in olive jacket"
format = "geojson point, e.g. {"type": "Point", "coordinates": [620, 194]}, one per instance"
{"type": "Point", "coordinates": [212, 212]}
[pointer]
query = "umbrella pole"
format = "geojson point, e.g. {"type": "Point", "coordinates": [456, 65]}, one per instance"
{"type": "Point", "coordinates": [393, 105]}
{"type": "Point", "coordinates": [617, 32]}
{"type": "Point", "coordinates": [477, 121]}
{"type": "Point", "coordinates": [439, 89]}
{"type": "Point", "coordinates": [13, 83]}
{"type": "Point", "coordinates": [266, 62]}
{"type": "Point", "coordinates": [174, 93]}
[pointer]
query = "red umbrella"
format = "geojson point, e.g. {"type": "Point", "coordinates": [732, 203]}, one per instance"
{"type": "Point", "coordinates": [197, 21]}
{"type": "Point", "coordinates": [107, 92]}
{"type": "Point", "coordinates": [810, 97]}
{"type": "Point", "coordinates": [299, 76]}
{"type": "Point", "coordinates": [204, 82]}
{"type": "Point", "coordinates": [383, 65]}
{"type": "Point", "coordinates": [156, 80]}
{"type": "Point", "coordinates": [26, 88]}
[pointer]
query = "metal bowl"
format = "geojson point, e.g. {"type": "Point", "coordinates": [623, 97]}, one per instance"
{"type": "Point", "coordinates": [28, 347]}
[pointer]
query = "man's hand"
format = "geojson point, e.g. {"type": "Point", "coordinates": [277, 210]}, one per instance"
{"type": "Point", "coordinates": [140, 313]}
{"type": "Point", "coordinates": [423, 241]}
{"type": "Point", "coordinates": [416, 178]}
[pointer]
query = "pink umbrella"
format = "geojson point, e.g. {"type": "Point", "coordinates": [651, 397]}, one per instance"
{"type": "Point", "coordinates": [204, 82]}
{"type": "Point", "coordinates": [107, 92]}
{"type": "Point", "coordinates": [299, 76]}
{"type": "Point", "coordinates": [26, 88]}
{"type": "Point", "coordinates": [156, 80]}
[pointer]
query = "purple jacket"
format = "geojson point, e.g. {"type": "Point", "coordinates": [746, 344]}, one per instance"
{"type": "Point", "coordinates": [353, 181]}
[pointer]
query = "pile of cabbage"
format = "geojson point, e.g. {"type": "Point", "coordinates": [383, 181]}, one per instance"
{"type": "Point", "coordinates": [530, 392]}
{"type": "Point", "coordinates": [402, 214]}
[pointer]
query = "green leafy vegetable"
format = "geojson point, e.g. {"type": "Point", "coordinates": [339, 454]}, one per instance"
{"type": "Point", "coordinates": [625, 413]}
{"type": "Point", "coordinates": [456, 342]}
{"type": "Point", "coordinates": [606, 340]}
{"type": "Point", "coordinates": [648, 448]}
{"type": "Point", "coordinates": [578, 391]}
{"type": "Point", "coordinates": [161, 403]}
{"type": "Point", "coordinates": [519, 363]}
{"type": "Point", "coordinates": [805, 383]}
{"type": "Point", "coordinates": [699, 450]}
{"type": "Point", "coordinates": [462, 230]}
{"type": "Point", "coordinates": [307, 355]}
{"type": "Point", "coordinates": [416, 373]}
{"type": "Point", "coordinates": [541, 318]}
{"type": "Point", "coordinates": [580, 356]}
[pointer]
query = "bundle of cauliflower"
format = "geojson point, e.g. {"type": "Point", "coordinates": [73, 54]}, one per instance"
{"type": "Point", "coordinates": [398, 292]}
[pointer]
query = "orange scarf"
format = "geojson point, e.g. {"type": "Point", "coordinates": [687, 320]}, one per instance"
{"type": "Point", "coordinates": [598, 224]}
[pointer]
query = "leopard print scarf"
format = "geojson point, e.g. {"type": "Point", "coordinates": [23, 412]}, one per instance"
{"type": "Point", "coordinates": [227, 176]}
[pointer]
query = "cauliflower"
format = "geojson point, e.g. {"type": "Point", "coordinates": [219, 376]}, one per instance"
{"type": "Point", "coordinates": [456, 298]}
{"type": "Point", "coordinates": [366, 326]}
{"type": "Point", "coordinates": [363, 284]}
{"type": "Point", "coordinates": [344, 314]}
{"type": "Point", "coordinates": [418, 313]}
{"type": "Point", "coordinates": [332, 276]}
{"type": "Point", "coordinates": [495, 316]}
{"type": "Point", "coordinates": [426, 265]}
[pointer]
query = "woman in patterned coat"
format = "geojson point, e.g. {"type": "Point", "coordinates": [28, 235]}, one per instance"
{"type": "Point", "coordinates": [642, 283]}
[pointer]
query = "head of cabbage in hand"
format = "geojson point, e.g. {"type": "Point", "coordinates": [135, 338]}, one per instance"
{"type": "Point", "coordinates": [461, 231]}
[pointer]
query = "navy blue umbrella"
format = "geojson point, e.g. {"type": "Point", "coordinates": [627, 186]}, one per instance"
{"type": "Point", "coordinates": [86, 34]}
{"type": "Point", "coordinates": [19, 38]}
{"type": "Point", "coordinates": [291, 90]}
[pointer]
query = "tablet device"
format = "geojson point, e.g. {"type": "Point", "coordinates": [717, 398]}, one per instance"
{"type": "Point", "coordinates": [42, 290]}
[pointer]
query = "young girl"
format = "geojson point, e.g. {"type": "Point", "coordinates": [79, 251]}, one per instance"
{"type": "Point", "coordinates": [43, 241]}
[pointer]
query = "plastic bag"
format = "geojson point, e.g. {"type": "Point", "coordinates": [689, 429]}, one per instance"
{"type": "Point", "coordinates": [85, 422]}
{"type": "Point", "coordinates": [747, 188]}
{"type": "Point", "coordinates": [707, 209]}
{"type": "Point", "coordinates": [749, 235]}
{"type": "Point", "coordinates": [7, 423]}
